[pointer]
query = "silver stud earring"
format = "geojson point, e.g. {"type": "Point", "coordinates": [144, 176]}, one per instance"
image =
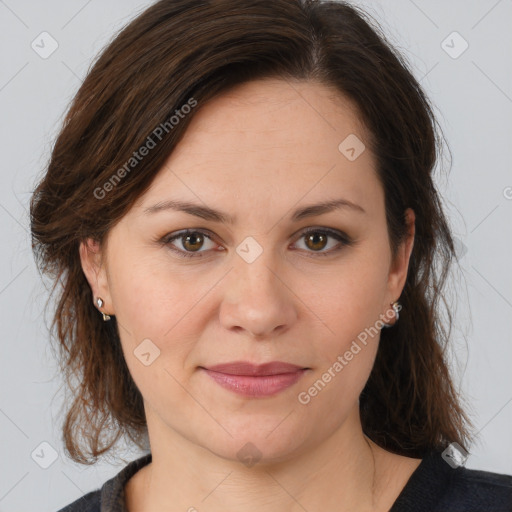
{"type": "Point", "coordinates": [396, 307]}
{"type": "Point", "coordinates": [99, 302]}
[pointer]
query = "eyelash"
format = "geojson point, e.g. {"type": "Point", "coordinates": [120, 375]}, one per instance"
{"type": "Point", "coordinates": [338, 235]}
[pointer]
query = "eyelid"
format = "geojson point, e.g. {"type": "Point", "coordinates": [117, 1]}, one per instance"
{"type": "Point", "coordinates": [176, 235]}
{"type": "Point", "coordinates": [340, 236]}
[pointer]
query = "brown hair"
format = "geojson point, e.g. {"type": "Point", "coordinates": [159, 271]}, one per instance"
{"type": "Point", "coordinates": [182, 51]}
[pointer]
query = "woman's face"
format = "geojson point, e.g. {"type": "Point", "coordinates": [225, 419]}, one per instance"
{"type": "Point", "coordinates": [257, 287]}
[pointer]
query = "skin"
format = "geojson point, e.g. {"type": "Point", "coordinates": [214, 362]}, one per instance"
{"type": "Point", "coordinates": [257, 153]}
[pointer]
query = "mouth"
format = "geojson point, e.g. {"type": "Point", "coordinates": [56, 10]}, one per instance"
{"type": "Point", "coordinates": [251, 380]}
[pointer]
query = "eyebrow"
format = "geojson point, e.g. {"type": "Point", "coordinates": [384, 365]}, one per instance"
{"type": "Point", "coordinates": [207, 213]}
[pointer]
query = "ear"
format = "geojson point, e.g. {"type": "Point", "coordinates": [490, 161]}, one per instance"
{"type": "Point", "coordinates": [399, 267]}
{"type": "Point", "coordinates": [93, 264]}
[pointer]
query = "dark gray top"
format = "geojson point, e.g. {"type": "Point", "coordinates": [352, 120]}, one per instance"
{"type": "Point", "coordinates": [433, 487]}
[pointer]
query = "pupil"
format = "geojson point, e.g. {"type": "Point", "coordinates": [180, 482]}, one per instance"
{"type": "Point", "coordinates": [194, 239]}
{"type": "Point", "coordinates": [314, 238]}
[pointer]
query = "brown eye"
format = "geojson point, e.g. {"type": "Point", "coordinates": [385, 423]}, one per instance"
{"type": "Point", "coordinates": [192, 242]}
{"type": "Point", "coordinates": [316, 241]}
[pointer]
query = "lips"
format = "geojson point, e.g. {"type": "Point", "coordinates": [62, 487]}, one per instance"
{"type": "Point", "coordinates": [255, 381]}
{"type": "Point", "coordinates": [249, 369]}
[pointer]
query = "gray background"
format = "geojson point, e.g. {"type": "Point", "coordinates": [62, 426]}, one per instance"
{"type": "Point", "coordinates": [473, 98]}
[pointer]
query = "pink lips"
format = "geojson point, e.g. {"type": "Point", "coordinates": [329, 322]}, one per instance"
{"type": "Point", "coordinates": [255, 380]}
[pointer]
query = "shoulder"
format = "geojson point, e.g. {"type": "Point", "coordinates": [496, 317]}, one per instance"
{"type": "Point", "coordinates": [436, 486]}
{"type": "Point", "coordinates": [111, 496]}
{"type": "Point", "coordinates": [90, 502]}
{"type": "Point", "coordinates": [480, 490]}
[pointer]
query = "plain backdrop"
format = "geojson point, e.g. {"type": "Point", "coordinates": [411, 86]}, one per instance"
{"type": "Point", "coordinates": [472, 94]}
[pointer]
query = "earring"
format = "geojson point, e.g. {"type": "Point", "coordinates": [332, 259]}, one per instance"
{"type": "Point", "coordinates": [396, 307]}
{"type": "Point", "coordinates": [99, 302]}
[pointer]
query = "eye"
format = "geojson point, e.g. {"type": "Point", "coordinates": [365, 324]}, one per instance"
{"type": "Point", "coordinates": [191, 241]}
{"type": "Point", "coordinates": [315, 241]}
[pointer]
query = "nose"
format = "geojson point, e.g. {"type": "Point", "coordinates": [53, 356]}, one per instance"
{"type": "Point", "coordinates": [257, 300]}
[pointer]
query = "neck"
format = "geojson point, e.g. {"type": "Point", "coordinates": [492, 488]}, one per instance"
{"type": "Point", "coordinates": [344, 472]}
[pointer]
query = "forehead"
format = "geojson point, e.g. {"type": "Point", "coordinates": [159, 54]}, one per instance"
{"type": "Point", "coordinates": [271, 111]}
{"type": "Point", "coordinates": [269, 140]}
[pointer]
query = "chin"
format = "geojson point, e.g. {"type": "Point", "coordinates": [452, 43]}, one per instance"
{"type": "Point", "coordinates": [255, 443]}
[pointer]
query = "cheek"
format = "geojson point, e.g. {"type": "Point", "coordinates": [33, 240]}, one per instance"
{"type": "Point", "coordinates": [153, 312]}
{"type": "Point", "coordinates": [350, 302]}
{"type": "Point", "coordinates": [344, 357]}
{"type": "Point", "coordinates": [152, 298]}
{"type": "Point", "coordinates": [349, 308]}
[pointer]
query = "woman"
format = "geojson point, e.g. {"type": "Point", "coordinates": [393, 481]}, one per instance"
{"type": "Point", "coordinates": [241, 210]}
